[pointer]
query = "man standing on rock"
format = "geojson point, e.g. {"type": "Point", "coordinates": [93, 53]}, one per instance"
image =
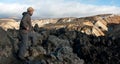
{"type": "Point", "coordinates": [26, 33]}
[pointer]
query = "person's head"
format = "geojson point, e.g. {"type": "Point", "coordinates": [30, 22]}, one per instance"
{"type": "Point", "coordinates": [30, 10]}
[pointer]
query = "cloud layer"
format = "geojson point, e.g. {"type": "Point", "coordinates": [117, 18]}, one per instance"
{"type": "Point", "coordinates": [55, 9]}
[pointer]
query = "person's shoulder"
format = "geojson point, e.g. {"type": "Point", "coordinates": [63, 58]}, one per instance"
{"type": "Point", "coordinates": [25, 14]}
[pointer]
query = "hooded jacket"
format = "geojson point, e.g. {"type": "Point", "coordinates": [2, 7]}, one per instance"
{"type": "Point", "coordinates": [26, 22]}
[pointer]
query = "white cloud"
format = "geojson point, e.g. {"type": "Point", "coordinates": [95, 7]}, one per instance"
{"type": "Point", "coordinates": [11, 10]}
{"type": "Point", "coordinates": [57, 8]}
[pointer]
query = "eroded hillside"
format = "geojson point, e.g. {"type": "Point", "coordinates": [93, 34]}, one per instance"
{"type": "Point", "coordinates": [96, 25]}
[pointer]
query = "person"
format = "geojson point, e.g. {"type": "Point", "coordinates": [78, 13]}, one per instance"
{"type": "Point", "coordinates": [26, 32]}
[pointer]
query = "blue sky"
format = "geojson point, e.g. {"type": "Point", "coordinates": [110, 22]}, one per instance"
{"type": "Point", "coordinates": [59, 8]}
{"type": "Point", "coordinates": [93, 2]}
{"type": "Point", "coordinates": [102, 2]}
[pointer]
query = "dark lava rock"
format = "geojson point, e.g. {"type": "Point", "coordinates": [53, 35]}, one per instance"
{"type": "Point", "coordinates": [6, 48]}
{"type": "Point", "coordinates": [61, 47]}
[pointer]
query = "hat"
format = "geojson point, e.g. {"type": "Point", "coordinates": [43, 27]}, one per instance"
{"type": "Point", "coordinates": [30, 9]}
